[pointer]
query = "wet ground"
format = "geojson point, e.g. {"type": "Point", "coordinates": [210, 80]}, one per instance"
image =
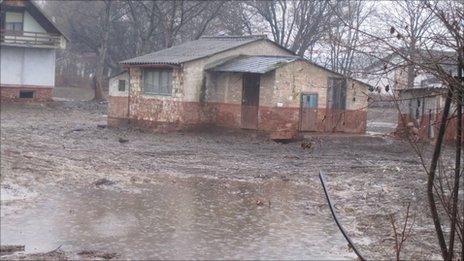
{"type": "Point", "coordinates": [69, 182]}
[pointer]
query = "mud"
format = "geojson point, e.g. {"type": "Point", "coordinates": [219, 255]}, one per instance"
{"type": "Point", "coordinates": [196, 194]}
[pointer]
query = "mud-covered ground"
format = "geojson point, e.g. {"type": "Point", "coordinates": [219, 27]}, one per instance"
{"type": "Point", "coordinates": [65, 145]}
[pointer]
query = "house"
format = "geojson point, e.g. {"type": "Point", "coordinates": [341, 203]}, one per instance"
{"type": "Point", "coordinates": [246, 82]}
{"type": "Point", "coordinates": [28, 42]}
{"type": "Point", "coordinates": [421, 99]}
{"type": "Point", "coordinates": [420, 108]}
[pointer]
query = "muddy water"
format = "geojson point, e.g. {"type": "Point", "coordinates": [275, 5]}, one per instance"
{"type": "Point", "coordinates": [181, 219]}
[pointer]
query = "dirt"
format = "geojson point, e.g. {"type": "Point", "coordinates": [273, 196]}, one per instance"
{"type": "Point", "coordinates": [369, 177]}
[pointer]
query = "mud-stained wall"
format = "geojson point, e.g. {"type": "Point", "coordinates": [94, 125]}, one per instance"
{"type": "Point", "coordinates": [194, 75]}
{"type": "Point", "coordinates": [147, 109]}
{"type": "Point", "coordinates": [281, 105]}
{"type": "Point", "coordinates": [280, 98]}
{"type": "Point", "coordinates": [202, 97]}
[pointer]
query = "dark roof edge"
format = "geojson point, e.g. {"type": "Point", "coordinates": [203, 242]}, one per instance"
{"type": "Point", "coordinates": [53, 24]}
{"type": "Point", "coordinates": [207, 56]}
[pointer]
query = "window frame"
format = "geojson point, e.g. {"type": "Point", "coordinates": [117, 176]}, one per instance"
{"type": "Point", "coordinates": [157, 93]}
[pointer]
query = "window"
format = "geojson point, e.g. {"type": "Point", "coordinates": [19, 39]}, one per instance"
{"type": "Point", "coordinates": [156, 81]}
{"type": "Point", "coordinates": [309, 101]}
{"type": "Point", "coordinates": [122, 85]}
{"type": "Point", "coordinates": [14, 21]}
{"type": "Point", "coordinates": [26, 94]}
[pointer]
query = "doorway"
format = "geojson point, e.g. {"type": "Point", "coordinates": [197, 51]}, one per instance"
{"type": "Point", "coordinates": [250, 101]}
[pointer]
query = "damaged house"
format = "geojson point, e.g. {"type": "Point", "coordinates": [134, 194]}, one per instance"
{"type": "Point", "coordinates": [246, 82]}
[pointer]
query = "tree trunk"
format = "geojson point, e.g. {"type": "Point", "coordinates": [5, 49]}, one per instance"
{"type": "Point", "coordinates": [102, 52]}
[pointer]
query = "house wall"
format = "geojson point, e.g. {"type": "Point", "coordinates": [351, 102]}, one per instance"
{"type": "Point", "coordinates": [300, 77]}
{"type": "Point", "coordinates": [280, 98]}
{"type": "Point", "coordinates": [32, 68]}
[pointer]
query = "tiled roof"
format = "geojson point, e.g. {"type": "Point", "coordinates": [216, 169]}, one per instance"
{"type": "Point", "coordinates": [203, 47]}
{"type": "Point", "coordinates": [254, 64]}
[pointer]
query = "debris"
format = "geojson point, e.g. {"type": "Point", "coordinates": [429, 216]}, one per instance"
{"type": "Point", "coordinates": [102, 126]}
{"type": "Point", "coordinates": [104, 181]}
{"type": "Point", "coordinates": [306, 145]}
{"type": "Point", "coordinates": [123, 140]}
{"type": "Point", "coordinates": [259, 202]}
{"type": "Point", "coordinates": [97, 254]}
{"type": "Point", "coordinates": [283, 136]}
{"type": "Point", "coordinates": [8, 249]}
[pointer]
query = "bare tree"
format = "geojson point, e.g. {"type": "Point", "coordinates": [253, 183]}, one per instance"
{"type": "Point", "coordinates": [296, 25]}
{"type": "Point", "coordinates": [447, 35]}
{"type": "Point", "coordinates": [410, 21]}
{"type": "Point", "coordinates": [343, 40]}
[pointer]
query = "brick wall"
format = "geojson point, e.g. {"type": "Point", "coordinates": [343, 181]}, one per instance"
{"type": "Point", "coordinates": [41, 94]}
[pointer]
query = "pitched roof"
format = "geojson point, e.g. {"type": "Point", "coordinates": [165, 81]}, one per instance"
{"type": "Point", "coordinates": [189, 51]}
{"type": "Point", "coordinates": [254, 64]}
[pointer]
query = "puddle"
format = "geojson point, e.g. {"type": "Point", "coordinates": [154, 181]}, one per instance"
{"type": "Point", "coordinates": [181, 219]}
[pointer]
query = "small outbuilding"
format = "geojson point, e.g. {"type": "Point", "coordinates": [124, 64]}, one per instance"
{"type": "Point", "coordinates": [246, 82]}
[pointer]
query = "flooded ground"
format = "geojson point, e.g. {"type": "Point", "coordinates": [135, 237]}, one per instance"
{"type": "Point", "coordinates": [181, 219]}
{"type": "Point", "coordinates": [200, 194]}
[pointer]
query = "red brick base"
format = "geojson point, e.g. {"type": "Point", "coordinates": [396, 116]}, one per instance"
{"type": "Point", "coordinates": [41, 94]}
{"type": "Point", "coordinates": [427, 127]}
{"type": "Point", "coordinates": [157, 115]}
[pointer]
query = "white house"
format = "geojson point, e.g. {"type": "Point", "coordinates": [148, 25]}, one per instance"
{"type": "Point", "coordinates": [28, 43]}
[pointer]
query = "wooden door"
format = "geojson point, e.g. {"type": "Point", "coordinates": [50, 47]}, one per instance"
{"type": "Point", "coordinates": [250, 101]}
{"type": "Point", "coordinates": [308, 112]}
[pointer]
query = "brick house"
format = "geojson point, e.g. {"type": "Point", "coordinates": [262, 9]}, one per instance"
{"type": "Point", "coordinates": [28, 43]}
{"type": "Point", "coordinates": [244, 82]}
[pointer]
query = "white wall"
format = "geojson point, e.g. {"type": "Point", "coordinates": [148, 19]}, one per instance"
{"type": "Point", "coordinates": [114, 85]}
{"type": "Point", "coordinates": [27, 66]}
{"type": "Point", "coordinates": [30, 25]}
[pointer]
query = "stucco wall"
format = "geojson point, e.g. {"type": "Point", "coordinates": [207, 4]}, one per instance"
{"type": "Point", "coordinates": [194, 71]}
{"type": "Point", "coordinates": [27, 66]}
{"type": "Point", "coordinates": [280, 97]}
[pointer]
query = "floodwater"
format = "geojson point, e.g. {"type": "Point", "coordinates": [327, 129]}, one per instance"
{"type": "Point", "coordinates": [189, 218]}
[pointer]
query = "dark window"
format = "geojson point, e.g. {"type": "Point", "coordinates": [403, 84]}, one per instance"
{"type": "Point", "coordinates": [14, 21]}
{"type": "Point", "coordinates": [122, 85]}
{"type": "Point", "coordinates": [26, 94]}
{"type": "Point", "coordinates": [336, 93]}
{"type": "Point", "coordinates": [156, 81]}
